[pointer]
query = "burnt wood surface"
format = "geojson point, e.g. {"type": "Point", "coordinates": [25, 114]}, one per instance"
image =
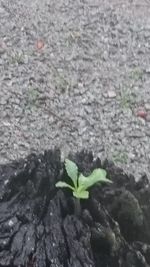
{"type": "Point", "coordinates": [38, 227]}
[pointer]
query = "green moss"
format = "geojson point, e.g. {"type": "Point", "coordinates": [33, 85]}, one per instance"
{"type": "Point", "coordinates": [121, 157]}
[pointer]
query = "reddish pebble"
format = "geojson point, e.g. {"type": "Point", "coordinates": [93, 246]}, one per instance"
{"type": "Point", "coordinates": [142, 114]}
{"type": "Point", "coordinates": [39, 44]}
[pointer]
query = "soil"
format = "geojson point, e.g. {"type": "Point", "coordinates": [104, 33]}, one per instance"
{"type": "Point", "coordinates": [38, 226]}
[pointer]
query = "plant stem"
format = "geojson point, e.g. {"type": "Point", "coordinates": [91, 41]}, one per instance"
{"type": "Point", "coordinates": [77, 207]}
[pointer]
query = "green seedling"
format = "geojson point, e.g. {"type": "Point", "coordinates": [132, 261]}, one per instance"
{"type": "Point", "coordinates": [127, 100]}
{"type": "Point", "coordinates": [136, 74]}
{"type": "Point", "coordinates": [31, 98]}
{"type": "Point", "coordinates": [17, 58]}
{"type": "Point", "coordinates": [81, 183]}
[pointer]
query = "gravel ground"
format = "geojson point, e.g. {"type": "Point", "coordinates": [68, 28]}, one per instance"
{"type": "Point", "coordinates": [76, 74]}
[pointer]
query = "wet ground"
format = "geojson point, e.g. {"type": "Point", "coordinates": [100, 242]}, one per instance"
{"type": "Point", "coordinates": [76, 74]}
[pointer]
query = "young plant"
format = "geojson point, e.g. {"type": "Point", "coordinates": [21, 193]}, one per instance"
{"type": "Point", "coordinates": [81, 183]}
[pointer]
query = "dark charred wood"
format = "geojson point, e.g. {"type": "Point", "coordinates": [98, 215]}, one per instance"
{"type": "Point", "coordinates": [38, 227]}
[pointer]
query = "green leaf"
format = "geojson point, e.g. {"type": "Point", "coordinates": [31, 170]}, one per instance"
{"type": "Point", "coordinates": [72, 171]}
{"type": "Point", "coordinates": [63, 184]}
{"type": "Point", "coordinates": [81, 194]}
{"type": "Point", "coordinates": [98, 175]}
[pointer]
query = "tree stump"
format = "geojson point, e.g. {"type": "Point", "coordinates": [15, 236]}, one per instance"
{"type": "Point", "coordinates": [38, 227]}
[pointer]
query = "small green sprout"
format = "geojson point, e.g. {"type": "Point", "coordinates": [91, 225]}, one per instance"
{"type": "Point", "coordinates": [81, 183]}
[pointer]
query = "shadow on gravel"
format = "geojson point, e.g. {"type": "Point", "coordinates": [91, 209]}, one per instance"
{"type": "Point", "coordinates": [38, 226]}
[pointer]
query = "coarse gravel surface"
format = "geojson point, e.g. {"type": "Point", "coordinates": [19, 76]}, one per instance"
{"type": "Point", "coordinates": [76, 74]}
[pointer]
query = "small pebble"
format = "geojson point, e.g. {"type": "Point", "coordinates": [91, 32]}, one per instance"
{"type": "Point", "coordinates": [147, 106]}
{"type": "Point", "coordinates": [111, 94]}
{"type": "Point", "coordinates": [148, 117]}
{"type": "Point", "coordinates": [148, 70]}
{"type": "Point", "coordinates": [39, 44]}
{"type": "Point", "coordinates": [142, 114]}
